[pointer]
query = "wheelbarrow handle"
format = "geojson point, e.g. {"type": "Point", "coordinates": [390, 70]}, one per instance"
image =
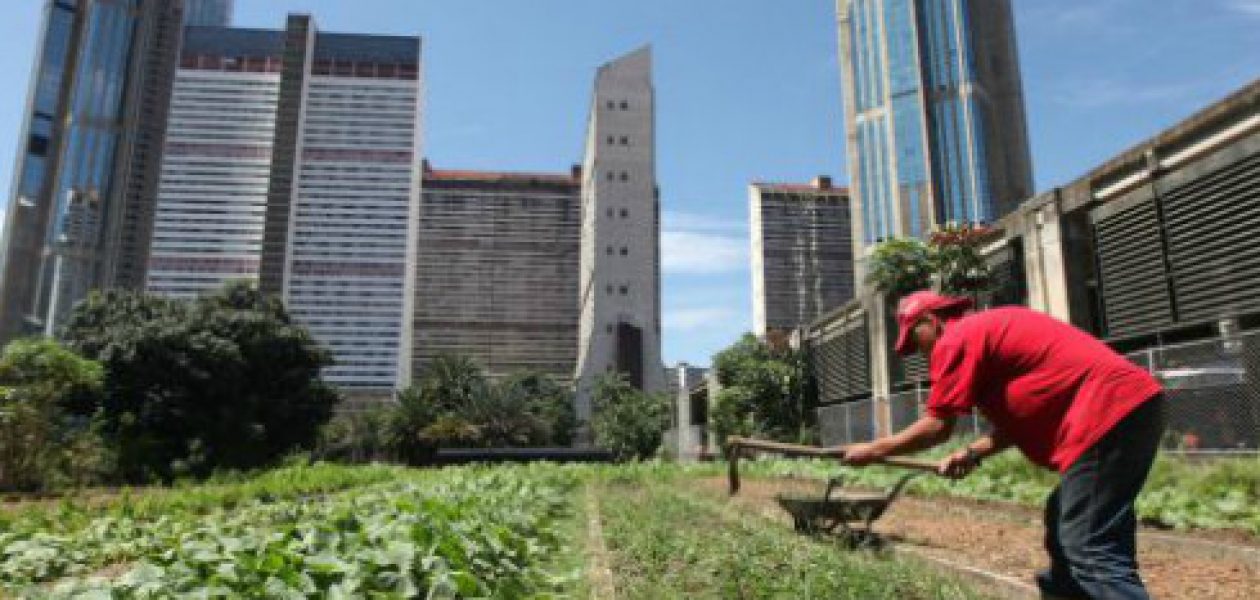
{"type": "Point", "coordinates": [736, 445]}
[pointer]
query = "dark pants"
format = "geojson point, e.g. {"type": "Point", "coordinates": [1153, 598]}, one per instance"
{"type": "Point", "coordinates": [1091, 526]}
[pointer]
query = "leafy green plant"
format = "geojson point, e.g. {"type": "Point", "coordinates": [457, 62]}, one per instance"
{"type": "Point", "coordinates": [950, 262]}
{"type": "Point", "coordinates": [47, 397]}
{"type": "Point", "coordinates": [765, 390]}
{"type": "Point", "coordinates": [900, 266]}
{"type": "Point", "coordinates": [225, 381]}
{"type": "Point", "coordinates": [627, 421]}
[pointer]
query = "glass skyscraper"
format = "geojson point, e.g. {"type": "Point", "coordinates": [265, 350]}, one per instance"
{"type": "Point", "coordinates": [208, 13]}
{"type": "Point", "coordinates": [80, 207]}
{"type": "Point", "coordinates": [934, 114]}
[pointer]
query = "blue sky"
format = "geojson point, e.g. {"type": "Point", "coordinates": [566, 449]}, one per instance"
{"type": "Point", "coordinates": [748, 90]}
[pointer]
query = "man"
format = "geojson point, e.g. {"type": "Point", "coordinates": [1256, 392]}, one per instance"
{"type": "Point", "coordinates": [1066, 400]}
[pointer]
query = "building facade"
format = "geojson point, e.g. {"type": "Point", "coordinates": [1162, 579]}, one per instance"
{"type": "Point", "coordinates": [208, 13]}
{"type": "Point", "coordinates": [293, 160]}
{"type": "Point", "coordinates": [619, 327]}
{"type": "Point", "coordinates": [802, 253]}
{"type": "Point", "coordinates": [86, 171]}
{"type": "Point", "coordinates": [934, 114]}
{"type": "Point", "coordinates": [1153, 251]}
{"type": "Point", "coordinates": [497, 271]}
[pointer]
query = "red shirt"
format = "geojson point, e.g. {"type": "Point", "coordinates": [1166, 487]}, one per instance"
{"type": "Point", "coordinates": [1052, 389]}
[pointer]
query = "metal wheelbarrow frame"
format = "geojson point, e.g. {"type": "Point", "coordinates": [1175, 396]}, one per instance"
{"type": "Point", "coordinates": [841, 509]}
{"type": "Point", "coordinates": [836, 508]}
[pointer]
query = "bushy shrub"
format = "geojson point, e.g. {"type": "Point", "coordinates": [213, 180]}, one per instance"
{"type": "Point", "coordinates": [48, 396]}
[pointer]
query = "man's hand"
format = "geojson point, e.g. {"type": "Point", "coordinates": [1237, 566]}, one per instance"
{"type": "Point", "coordinates": [859, 455]}
{"type": "Point", "coordinates": [958, 465]}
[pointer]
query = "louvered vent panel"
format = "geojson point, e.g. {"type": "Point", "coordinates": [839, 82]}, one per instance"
{"type": "Point", "coordinates": [1135, 291]}
{"type": "Point", "coordinates": [842, 364]}
{"type": "Point", "coordinates": [1213, 225]}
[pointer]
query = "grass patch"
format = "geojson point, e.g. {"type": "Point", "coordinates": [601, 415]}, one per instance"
{"type": "Point", "coordinates": [667, 544]}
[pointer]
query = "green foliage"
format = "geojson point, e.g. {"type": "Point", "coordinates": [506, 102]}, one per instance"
{"type": "Point", "coordinates": [47, 396]}
{"type": "Point", "coordinates": [668, 543]}
{"type": "Point", "coordinates": [1180, 493]}
{"type": "Point", "coordinates": [360, 436]}
{"type": "Point", "coordinates": [957, 264]}
{"type": "Point", "coordinates": [765, 390]}
{"type": "Point", "coordinates": [225, 381]}
{"type": "Point", "coordinates": [455, 405]}
{"type": "Point", "coordinates": [627, 421]}
{"type": "Point", "coordinates": [900, 266]}
{"type": "Point", "coordinates": [950, 262]}
{"type": "Point", "coordinates": [433, 534]}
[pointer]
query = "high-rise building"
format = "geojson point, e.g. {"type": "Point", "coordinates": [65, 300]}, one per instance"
{"type": "Point", "coordinates": [208, 13]}
{"type": "Point", "coordinates": [88, 156]}
{"type": "Point", "coordinates": [619, 328]}
{"type": "Point", "coordinates": [497, 271]}
{"type": "Point", "coordinates": [802, 253]}
{"type": "Point", "coordinates": [292, 158]}
{"type": "Point", "coordinates": [934, 114]}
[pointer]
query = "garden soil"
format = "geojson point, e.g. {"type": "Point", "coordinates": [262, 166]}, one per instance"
{"type": "Point", "coordinates": [1007, 539]}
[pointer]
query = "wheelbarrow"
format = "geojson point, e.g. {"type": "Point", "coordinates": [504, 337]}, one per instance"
{"type": "Point", "coordinates": [836, 508]}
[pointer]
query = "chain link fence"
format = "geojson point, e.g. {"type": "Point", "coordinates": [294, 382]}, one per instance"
{"type": "Point", "coordinates": [847, 423]}
{"type": "Point", "coordinates": [1213, 393]}
{"type": "Point", "coordinates": [906, 407]}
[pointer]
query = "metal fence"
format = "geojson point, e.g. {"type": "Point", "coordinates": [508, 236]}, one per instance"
{"type": "Point", "coordinates": [906, 408]}
{"type": "Point", "coordinates": [847, 423]}
{"type": "Point", "coordinates": [1213, 393]}
{"type": "Point", "coordinates": [1212, 389]}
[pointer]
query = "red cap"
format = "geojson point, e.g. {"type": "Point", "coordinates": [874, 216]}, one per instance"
{"type": "Point", "coordinates": [913, 307]}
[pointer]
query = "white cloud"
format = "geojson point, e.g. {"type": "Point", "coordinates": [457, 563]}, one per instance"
{"type": "Point", "coordinates": [694, 252]}
{"type": "Point", "coordinates": [690, 319]}
{"type": "Point", "coordinates": [1247, 7]}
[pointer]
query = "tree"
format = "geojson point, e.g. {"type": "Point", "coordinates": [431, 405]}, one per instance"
{"type": "Point", "coordinates": [359, 436]}
{"type": "Point", "coordinates": [47, 396]}
{"type": "Point", "coordinates": [228, 380]}
{"type": "Point", "coordinates": [627, 421]}
{"type": "Point", "coordinates": [900, 266]}
{"type": "Point", "coordinates": [950, 261]}
{"type": "Point", "coordinates": [957, 264]}
{"type": "Point", "coordinates": [466, 410]}
{"type": "Point", "coordinates": [766, 391]}
{"type": "Point", "coordinates": [547, 402]}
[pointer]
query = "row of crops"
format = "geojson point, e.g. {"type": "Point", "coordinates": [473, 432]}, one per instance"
{"type": "Point", "coordinates": [502, 532]}
{"type": "Point", "coordinates": [1179, 494]}
{"type": "Point", "coordinates": [437, 534]}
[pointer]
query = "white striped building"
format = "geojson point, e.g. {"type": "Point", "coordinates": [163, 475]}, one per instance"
{"type": "Point", "coordinates": [303, 176]}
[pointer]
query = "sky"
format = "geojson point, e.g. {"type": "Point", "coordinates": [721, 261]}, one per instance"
{"type": "Point", "coordinates": [747, 90]}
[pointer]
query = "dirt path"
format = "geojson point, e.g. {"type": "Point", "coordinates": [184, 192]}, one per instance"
{"type": "Point", "coordinates": [1009, 542]}
{"type": "Point", "coordinates": [598, 574]}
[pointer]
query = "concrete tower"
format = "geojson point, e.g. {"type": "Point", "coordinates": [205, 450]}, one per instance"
{"type": "Point", "coordinates": [619, 284]}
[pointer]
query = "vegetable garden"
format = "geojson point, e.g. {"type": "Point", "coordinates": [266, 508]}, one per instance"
{"type": "Point", "coordinates": [331, 531]}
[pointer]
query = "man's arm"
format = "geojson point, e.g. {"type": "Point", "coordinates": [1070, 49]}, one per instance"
{"type": "Point", "coordinates": [925, 433]}
{"type": "Point", "coordinates": [962, 462]}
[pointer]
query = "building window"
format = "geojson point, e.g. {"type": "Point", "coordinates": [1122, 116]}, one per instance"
{"type": "Point", "coordinates": [610, 140]}
{"type": "Point", "coordinates": [610, 213]}
{"type": "Point", "coordinates": [609, 288]}
{"type": "Point", "coordinates": [625, 213]}
{"type": "Point", "coordinates": [608, 328]}
{"type": "Point", "coordinates": [625, 141]}
{"type": "Point", "coordinates": [625, 105]}
{"type": "Point", "coordinates": [612, 175]}
{"type": "Point", "coordinates": [610, 251]}
{"type": "Point", "coordinates": [624, 290]}
{"type": "Point", "coordinates": [625, 176]}
{"type": "Point", "coordinates": [625, 251]}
